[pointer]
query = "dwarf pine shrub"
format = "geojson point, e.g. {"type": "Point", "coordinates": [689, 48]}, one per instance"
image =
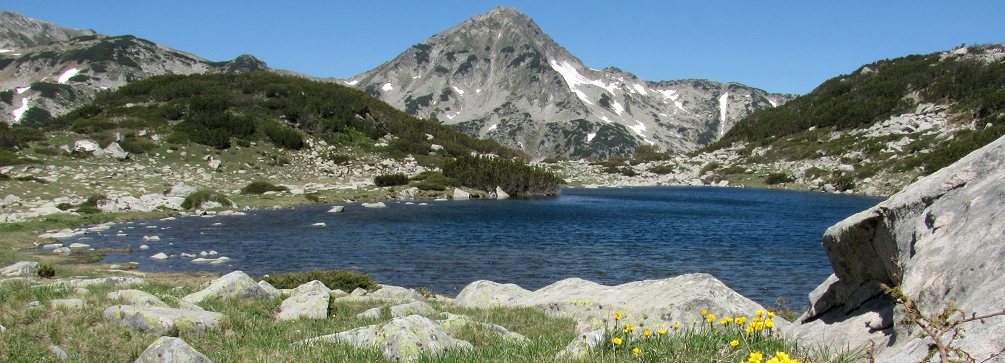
{"type": "Point", "coordinates": [390, 180]}
{"type": "Point", "coordinates": [196, 200]}
{"type": "Point", "coordinates": [335, 279]}
{"type": "Point", "coordinates": [260, 187]}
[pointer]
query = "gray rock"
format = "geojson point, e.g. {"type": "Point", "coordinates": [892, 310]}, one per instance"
{"type": "Point", "coordinates": [412, 308]}
{"type": "Point", "coordinates": [113, 281]}
{"type": "Point", "coordinates": [79, 245]}
{"type": "Point", "coordinates": [460, 194]}
{"type": "Point", "coordinates": [33, 304]}
{"type": "Point", "coordinates": [372, 313]}
{"type": "Point", "coordinates": [337, 209]}
{"type": "Point", "coordinates": [137, 298]}
{"type": "Point", "coordinates": [23, 268]}
{"type": "Point", "coordinates": [395, 293]}
{"type": "Point", "coordinates": [374, 205]}
{"type": "Point", "coordinates": [305, 305]}
{"type": "Point", "coordinates": [454, 323]}
{"type": "Point", "coordinates": [75, 304]}
{"type": "Point", "coordinates": [171, 350]}
{"type": "Point", "coordinates": [11, 200]}
{"type": "Point", "coordinates": [409, 193]}
{"type": "Point", "coordinates": [2, 329]}
{"type": "Point", "coordinates": [58, 352]}
{"type": "Point", "coordinates": [501, 194]}
{"type": "Point", "coordinates": [115, 151]}
{"type": "Point", "coordinates": [160, 256]}
{"type": "Point", "coordinates": [650, 303]}
{"type": "Point", "coordinates": [86, 145]}
{"type": "Point", "coordinates": [401, 339]}
{"type": "Point", "coordinates": [65, 251]}
{"type": "Point", "coordinates": [314, 286]}
{"type": "Point", "coordinates": [271, 290]}
{"type": "Point", "coordinates": [181, 190]}
{"type": "Point", "coordinates": [163, 321]}
{"type": "Point", "coordinates": [236, 284]}
{"type": "Point", "coordinates": [581, 346]}
{"type": "Point", "coordinates": [941, 238]}
{"type": "Point", "coordinates": [359, 291]}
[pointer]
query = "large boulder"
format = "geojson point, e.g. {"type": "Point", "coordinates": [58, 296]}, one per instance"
{"type": "Point", "coordinates": [136, 298]}
{"type": "Point", "coordinates": [412, 308]}
{"type": "Point", "coordinates": [163, 321]}
{"type": "Point", "coordinates": [582, 345]}
{"type": "Point", "coordinates": [23, 268]}
{"type": "Point", "coordinates": [171, 350]}
{"type": "Point", "coordinates": [308, 301]}
{"type": "Point", "coordinates": [941, 239]}
{"type": "Point", "coordinates": [401, 339]}
{"type": "Point", "coordinates": [236, 284]}
{"type": "Point", "coordinates": [650, 303]}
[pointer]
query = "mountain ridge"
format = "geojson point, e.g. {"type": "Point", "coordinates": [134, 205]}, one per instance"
{"type": "Point", "coordinates": [543, 100]}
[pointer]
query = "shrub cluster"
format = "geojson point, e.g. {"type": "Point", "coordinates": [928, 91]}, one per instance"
{"type": "Point", "coordinates": [390, 180]}
{"type": "Point", "coordinates": [512, 175]}
{"type": "Point", "coordinates": [777, 178]}
{"type": "Point", "coordinates": [196, 200]}
{"type": "Point", "coordinates": [334, 279]}
{"type": "Point", "coordinates": [260, 187]}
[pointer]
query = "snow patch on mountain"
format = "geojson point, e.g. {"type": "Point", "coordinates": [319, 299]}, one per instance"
{"type": "Point", "coordinates": [493, 127]}
{"type": "Point", "coordinates": [618, 108]}
{"type": "Point", "coordinates": [5, 50]}
{"type": "Point", "coordinates": [20, 110]}
{"type": "Point", "coordinates": [63, 78]}
{"type": "Point", "coordinates": [573, 78]}
{"type": "Point", "coordinates": [638, 128]}
{"type": "Point", "coordinates": [722, 113]}
{"type": "Point", "coordinates": [23, 89]}
{"type": "Point", "coordinates": [387, 87]}
{"type": "Point", "coordinates": [352, 82]}
{"type": "Point", "coordinates": [642, 90]}
{"type": "Point", "coordinates": [459, 91]}
{"type": "Point", "coordinates": [672, 96]}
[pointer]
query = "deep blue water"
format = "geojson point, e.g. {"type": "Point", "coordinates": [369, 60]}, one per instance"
{"type": "Point", "coordinates": [764, 244]}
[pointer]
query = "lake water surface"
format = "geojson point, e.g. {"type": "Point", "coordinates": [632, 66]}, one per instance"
{"type": "Point", "coordinates": [764, 244]}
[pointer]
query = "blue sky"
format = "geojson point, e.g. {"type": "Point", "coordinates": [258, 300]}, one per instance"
{"type": "Point", "coordinates": [779, 46]}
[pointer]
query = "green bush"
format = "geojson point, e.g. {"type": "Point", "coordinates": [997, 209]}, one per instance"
{"type": "Point", "coordinates": [47, 150]}
{"type": "Point", "coordinates": [390, 180]}
{"type": "Point", "coordinates": [35, 117]}
{"type": "Point", "coordinates": [339, 158]}
{"type": "Point", "coordinates": [334, 279]}
{"type": "Point", "coordinates": [777, 178]}
{"type": "Point", "coordinates": [138, 145]}
{"type": "Point", "coordinates": [177, 137]}
{"type": "Point", "coordinates": [64, 206]}
{"type": "Point", "coordinates": [662, 169]}
{"type": "Point", "coordinates": [512, 175]}
{"type": "Point", "coordinates": [46, 271]}
{"type": "Point", "coordinates": [196, 200]}
{"type": "Point", "coordinates": [284, 137]}
{"type": "Point", "coordinates": [90, 206]}
{"type": "Point", "coordinates": [260, 187]}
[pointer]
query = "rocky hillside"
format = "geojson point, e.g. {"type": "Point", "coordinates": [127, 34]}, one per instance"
{"type": "Point", "coordinates": [47, 70]}
{"type": "Point", "coordinates": [498, 76]}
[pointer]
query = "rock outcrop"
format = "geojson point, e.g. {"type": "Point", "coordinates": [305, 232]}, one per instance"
{"type": "Point", "coordinates": [171, 350]}
{"type": "Point", "coordinates": [163, 321]}
{"type": "Point", "coordinates": [650, 303]}
{"type": "Point", "coordinates": [22, 268]}
{"type": "Point", "coordinates": [943, 240]}
{"type": "Point", "coordinates": [236, 284]}
{"type": "Point", "coordinates": [401, 339]}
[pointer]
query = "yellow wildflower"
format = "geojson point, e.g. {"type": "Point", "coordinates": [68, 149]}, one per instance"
{"type": "Point", "coordinates": [636, 351]}
{"type": "Point", "coordinates": [662, 331]}
{"type": "Point", "coordinates": [647, 332]}
{"type": "Point", "coordinates": [760, 312]}
{"type": "Point", "coordinates": [676, 326]}
{"type": "Point", "coordinates": [734, 342]}
{"type": "Point", "coordinates": [769, 324]}
{"type": "Point", "coordinates": [710, 317]}
{"type": "Point", "coordinates": [704, 312]}
{"type": "Point", "coordinates": [617, 315]}
{"type": "Point", "coordinates": [750, 328]}
{"type": "Point", "coordinates": [617, 341]}
{"type": "Point", "coordinates": [771, 314]}
{"type": "Point", "coordinates": [629, 328]}
{"type": "Point", "coordinates": [755, 357]}
{"type": "Point", "coordinates": [726, 321]}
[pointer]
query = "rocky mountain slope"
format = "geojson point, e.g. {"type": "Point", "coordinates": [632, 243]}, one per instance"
{"type": "Point", "coordinates": [498, 76]}
{"type": "Point", "coordinates": [47, 70]}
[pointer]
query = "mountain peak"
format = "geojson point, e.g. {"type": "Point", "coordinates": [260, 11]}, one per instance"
{"type": "Point", "coordinates": [506, 12]}
{"type": "Point", "coordinates": [19, 31]}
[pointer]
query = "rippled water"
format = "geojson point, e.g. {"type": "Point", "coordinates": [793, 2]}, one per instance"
{"type": "Point", "coordinates": [764, 244]}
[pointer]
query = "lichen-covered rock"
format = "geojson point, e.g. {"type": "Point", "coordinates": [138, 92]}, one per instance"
{"type": "Point", "coordinates": [163, 321]}
{"type": "Point", "coordinates": [649, 303]}
{"type": "Point", "coordinates": [22, 268]}
{"type": "Point", "coordinates": [312, 286]}
{"type": "Point", "coordinates": [236, 284]}
{"type": "Point", "coordinates": [113, 282]}
{"type": "Point", "coordinates": [580, 346]}
{"type": "Point", "coordinates": [136, 298]}
{"type": "Point", "coordinates": [75, 304]}
{"type": "Point", "coordinates": [453, 323]}
{"type": "Point", "coordinates": [401, 339]}
{"type": "Point", "coordinates": [271, 290]}
{"type": "Point", "coordinates": [171, 350]}
{"type": "Point", "coordinates": [942, 237]}
{"type": "Point", "coordinates": [372, 313]}
{"type": "Point", "coordinates": [305, 305]}
{"type": "Point", "coordinates": [412, 308]}
{"type": "Point", "coordinates": [486, 294]}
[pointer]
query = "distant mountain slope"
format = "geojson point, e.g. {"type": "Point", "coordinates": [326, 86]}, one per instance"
{"type": "Point", "coordinates": [47, 70]}
{"type": "Point", "coordinates": [498, 76]}
{"type": "Point", "coordinates": [879, 127]}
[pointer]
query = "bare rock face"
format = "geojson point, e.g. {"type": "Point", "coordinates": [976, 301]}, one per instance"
{"type": "Point", "coordinates": [651, 303]}
{"type": "Point", "coordinates": [943, 239]}
{"type": "Point", "coordinates": [23, 268]}
{"type": "Point", "coordinates": [498, 76]}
